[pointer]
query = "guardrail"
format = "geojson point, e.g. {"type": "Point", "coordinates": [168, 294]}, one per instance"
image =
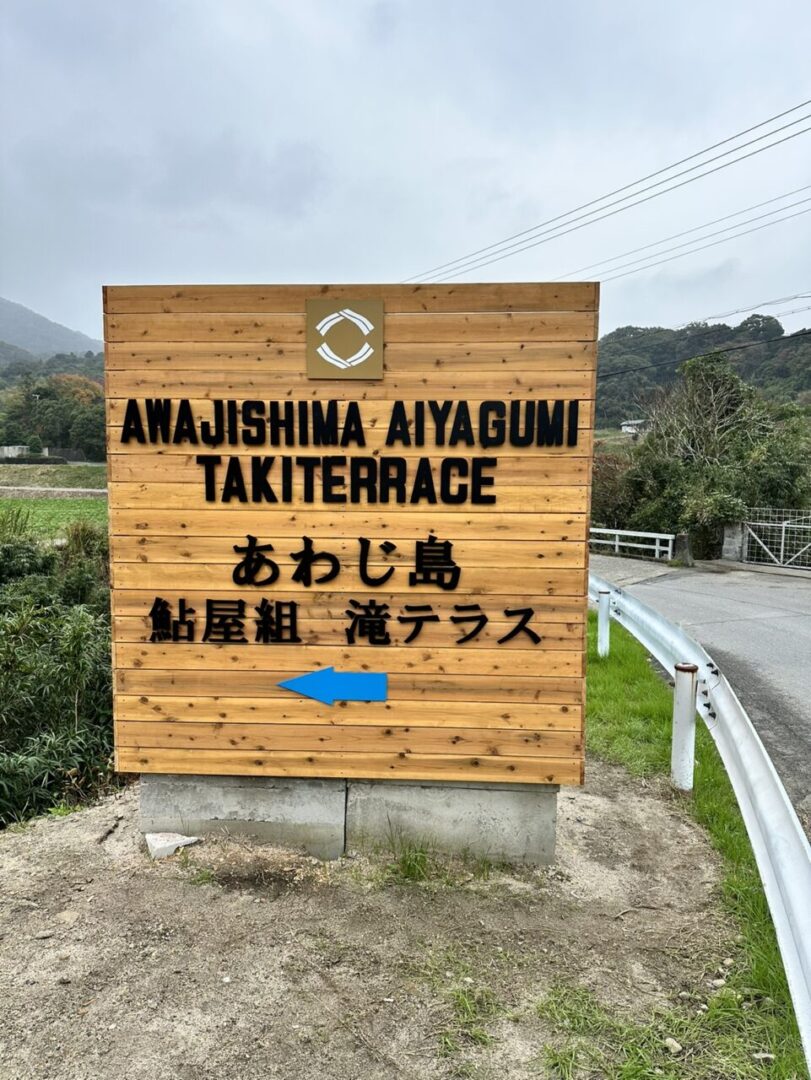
{"type": "Point", "coordinates": [781, 849]}
{"type": "Point", "coordinates": [661, 544]}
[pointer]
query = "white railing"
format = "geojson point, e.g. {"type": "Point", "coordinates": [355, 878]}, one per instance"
{"type": "Point", "coordinates": [660, 544]}
{"type": "Point", "coordinates": [781, 849]}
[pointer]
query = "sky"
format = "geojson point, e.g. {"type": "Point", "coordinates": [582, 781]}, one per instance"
{"type": "Point", "coordinates": [183, 141]}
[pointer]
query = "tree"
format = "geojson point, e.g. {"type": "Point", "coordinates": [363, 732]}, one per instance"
{"type": "Point", "coordinates": [35, 445]}
{"type": "Point", "coordinates": [714, 446]}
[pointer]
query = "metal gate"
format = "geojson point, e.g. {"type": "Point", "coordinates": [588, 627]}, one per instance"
{"type": "Point", "coordinates": [777, 537]}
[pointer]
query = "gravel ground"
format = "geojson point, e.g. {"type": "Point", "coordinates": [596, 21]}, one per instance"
{"type": "Point", "coordinates": [238, 961]}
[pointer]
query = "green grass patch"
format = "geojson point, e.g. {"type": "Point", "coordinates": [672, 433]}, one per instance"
{"type": "Point", "coordinates": [753, 1014]}
{"type": "Point", "coordinates": [50, 517]}
{"type": "Point", "coordinates": [61, 476]}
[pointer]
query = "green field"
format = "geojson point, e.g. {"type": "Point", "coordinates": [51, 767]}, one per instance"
{"type": "Point", "coordinates": [61, 476]}
{"type": "Point", "coordinates": [49, 517]}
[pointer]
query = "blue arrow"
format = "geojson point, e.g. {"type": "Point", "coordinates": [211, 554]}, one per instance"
{"type": "Point", "coordinates": [328, 685]}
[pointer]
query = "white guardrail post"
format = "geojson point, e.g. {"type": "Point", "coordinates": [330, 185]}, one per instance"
{"type": "Point", "coordinates": [780, 846]}
{"type": "Point", "coordinates": [603, 622]}
{"type": "Point", "coordinates": [683, 746]}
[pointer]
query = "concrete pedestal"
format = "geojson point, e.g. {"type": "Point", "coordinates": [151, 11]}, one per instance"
{"type": "Point", "coordinates": [305, 814]}
{"type": "Point", "coordinates": [502, 822]}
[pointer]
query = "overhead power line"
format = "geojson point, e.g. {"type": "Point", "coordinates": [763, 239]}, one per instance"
{"type": "Point", "coordinates": [709, 352]}
{"type": "Point", "coordinates": [500, 246]}
{"type": "Point", "coordinates": [696, 228]}
{"type": "Point", "coordinates": [620, 209]}
{"type": "Point", "coordinates": [703, 247]}
{"type": "Point", "coordinates": [749, 307]}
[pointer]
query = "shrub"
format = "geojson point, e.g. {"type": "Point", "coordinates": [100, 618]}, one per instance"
{"type": "Point", "coordinates": [56, 708]}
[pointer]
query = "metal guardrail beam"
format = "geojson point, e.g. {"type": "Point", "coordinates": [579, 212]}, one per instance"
{"type": "Point", "coordinates": [779, 844]}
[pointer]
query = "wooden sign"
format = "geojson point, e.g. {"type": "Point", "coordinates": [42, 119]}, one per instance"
{"type": "Point", "coordinates": [321, 569]}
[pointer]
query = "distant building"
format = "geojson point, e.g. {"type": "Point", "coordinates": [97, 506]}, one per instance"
{"type": "Point", "coordinates": [10, 452]}
{"type": "Point", "coordinates": [634, 428]}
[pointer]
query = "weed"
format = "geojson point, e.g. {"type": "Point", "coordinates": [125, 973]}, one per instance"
{"type": "Point", "coordinates": [755, 1013]}
{"type": "Point", "coordinates": [203, 876]}
{"type": "Point", "coordinates": [561, 1063]}
{"type": "Point", "coordinates": [63, 809]}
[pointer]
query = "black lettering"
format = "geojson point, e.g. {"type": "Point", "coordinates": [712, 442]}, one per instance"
{"type": "Point", "coordinates": [331, 482]}
{"type": "Point", "coordinates": [233, 430]}
{"type": "Point", "coordinates": [353, 426]}
{"type": "Point", "coordinates": [185, 430]}
{"type": "Point", "coordinates": [309, 465]}
{"type": "Point", "coordinates": [158, 418]}
{"type": "Point", "coordinates": [133, 426]}
{"type": "Point", "coordinates": [519, 436]}
{"type": "Point", "coordinates": [393, 476]}
{"type": "Point", "coordinates": [303, 424]}
{"type": "Point", "coordinates": [279, 424]}
{"type": "Point", "coordinates": [550, 429]}
{"type": "Point", "coordinates": [325, 424]}
{"type": "Point", "coordinates": [574, 413]}
{"type": "Point", "coordinates": [362, 477]}
{"type": "Point", "coordinates": [234, 486]}
{"type": "Point", "coordinates": [478, 480]}
{"type": "Point", "coordinates": [209, 463]}
{"type": "Point", "coordinates": [398, 426]}
{"type": "Point", "coordinates": [491, 433]}
{"type": "Point", "coordinates": [213, 437]}
{"type": "Point", "coordinates": [423, 488]}
{"type": "Point", "coordinates": [462, 430]}
{"type": "Point", "coordinates": [261, 491]}
{"type": "Point", "coordinates": [447, 493]}
{"type": "Point", "coordinates": [253, 423]}
{"type": "Point", "coordinates": [440, 415]}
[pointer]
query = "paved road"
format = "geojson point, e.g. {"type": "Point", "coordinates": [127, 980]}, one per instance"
{"type": "Point", "coordinates": [757, 628]}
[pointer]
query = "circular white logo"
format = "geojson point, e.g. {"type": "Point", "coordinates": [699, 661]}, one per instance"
{"type": "Point", "coordinates": [331, 357]}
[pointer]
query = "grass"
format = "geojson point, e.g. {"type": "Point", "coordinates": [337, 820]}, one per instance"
{"type": "Point", "coordinates": [50, 517]}
{"type": "Point", "coordinates": [753, 1013]}
{"type": "Point", "coordinates": [61, 476]}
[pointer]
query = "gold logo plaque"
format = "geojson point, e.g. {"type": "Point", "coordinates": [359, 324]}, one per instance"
{"type": "Point", "coordinates": [345, 339]}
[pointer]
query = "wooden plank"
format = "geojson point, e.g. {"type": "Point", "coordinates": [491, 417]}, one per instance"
{"type": "Point", "coordinates": [506, 296]}
{"type": "Point", "coordinates": [509, 499]}
{"type": "Point", "coordinates": [345, 739]}
{"type": "Point", "coordinates": [220, 549]}
{"type": "Point", "coordinates": [183, 469]}
{"type": "Point", "coordinates": [542, 383]}
{"type": "Point", "coordinates": [361, 766]}
{"type": "Point", "coordinates": [545, 528]}
{"type": "Point", "coordinates": [240, 710]}
{"type": "Point", "coordinates": [392, 659]}
{"type": "Point", "coordinates": [554, 636]}
{"type": "Point", "coordinates": [405, 328]}
{"type": "Point", "coordinates": [416, 361]}
{"type": "Point", "coordinates": [332, 605]}
{"type": "Point", "coordinates": [178, 578]}
{"type": "Point", "coordinates": [433, 696]}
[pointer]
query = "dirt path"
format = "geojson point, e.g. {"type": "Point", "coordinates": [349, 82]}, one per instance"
{"type": "Point", "coordinates": [240, 962]}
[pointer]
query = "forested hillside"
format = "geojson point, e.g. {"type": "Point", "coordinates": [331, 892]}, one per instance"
{"type": "Point", "coordinates": [781, 369]}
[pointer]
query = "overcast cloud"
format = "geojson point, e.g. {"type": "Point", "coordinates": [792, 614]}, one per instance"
{"type": "Point", "coordinates": [267, 141]}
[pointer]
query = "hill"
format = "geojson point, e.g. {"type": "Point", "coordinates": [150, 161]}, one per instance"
{"type": "Point", "coordinates": [13, 354]}
{"type": "Point", "coordinates": [27, 330]}
{"type": "Point", "coordinates": [781, 369]}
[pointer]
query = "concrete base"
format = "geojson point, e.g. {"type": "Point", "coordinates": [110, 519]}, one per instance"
{"type": "Point", "coordinates": [305, 814]}
{"type": "Point", "coordinates": [502, 822]}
